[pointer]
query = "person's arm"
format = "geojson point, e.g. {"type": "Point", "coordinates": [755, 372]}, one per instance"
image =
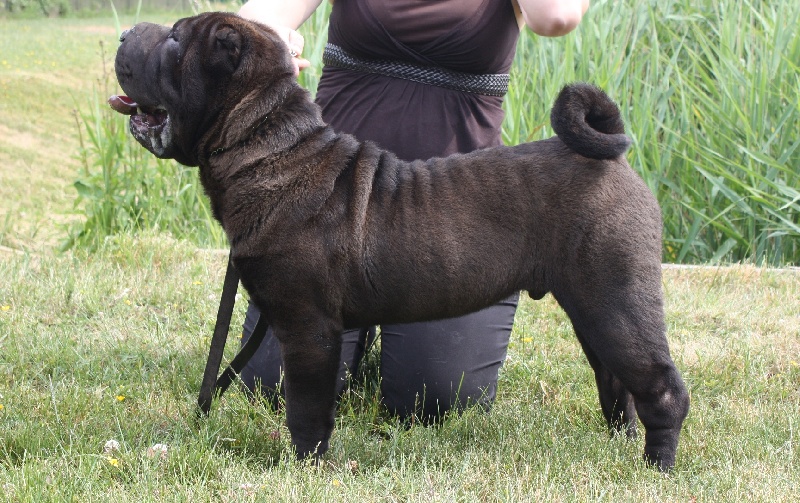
{"type": "Point", "coordinates": [288, 13]}
{"type": "Point", "coordinates": [283, 16]}
{"type": "Point", "coordinates": [551, 18]}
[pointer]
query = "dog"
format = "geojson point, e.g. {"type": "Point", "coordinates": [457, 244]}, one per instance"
{"type": "Point", "coordinates": [328, 232]}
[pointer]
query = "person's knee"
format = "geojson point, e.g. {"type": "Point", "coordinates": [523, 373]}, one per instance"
{"type": "Point", "coordinates": [261, 375]}
{"type": "Point", "coordinates": [432, 368]}
{"type": "Point", "coordinates": [429, 403]}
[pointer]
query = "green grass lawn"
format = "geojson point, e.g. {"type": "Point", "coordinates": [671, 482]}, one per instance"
{"type": "Point", "coordinates": [110, 345]}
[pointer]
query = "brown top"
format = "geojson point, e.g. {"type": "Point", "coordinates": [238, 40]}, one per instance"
{"type": "Point", "coordinates": [414, 120]}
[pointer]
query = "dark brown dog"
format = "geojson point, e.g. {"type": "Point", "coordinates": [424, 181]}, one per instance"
{"type": "Point", "coordinates": [328, 232]}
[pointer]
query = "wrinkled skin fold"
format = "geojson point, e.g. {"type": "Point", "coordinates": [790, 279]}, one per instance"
{"type": "Point", "coordinates": [328, 232]}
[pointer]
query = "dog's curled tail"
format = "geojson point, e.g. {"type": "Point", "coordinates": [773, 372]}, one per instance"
{"type": "Point", "coordinates": [588, 122]}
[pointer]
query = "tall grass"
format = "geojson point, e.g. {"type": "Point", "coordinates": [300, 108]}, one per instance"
{"type": "Point", "coordinates": [123, 188]}
{"type": "Point", "coordinates": [709, 91]}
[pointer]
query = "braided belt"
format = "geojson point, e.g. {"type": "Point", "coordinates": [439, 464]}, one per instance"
{"type": "Point", "coordinates": [495, 84]}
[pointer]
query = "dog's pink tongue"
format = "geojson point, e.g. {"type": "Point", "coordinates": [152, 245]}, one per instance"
{"type": "Point", "coordinates": [123, 104]}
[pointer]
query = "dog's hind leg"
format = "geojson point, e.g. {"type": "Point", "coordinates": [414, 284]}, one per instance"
{"type": "Point", "coordinates": [623, 330]}
{"type": "Point", "coordinates": [615, 399]}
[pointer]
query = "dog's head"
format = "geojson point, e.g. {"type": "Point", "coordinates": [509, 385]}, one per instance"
{"type": "Point", "coordinates": [183, 81]}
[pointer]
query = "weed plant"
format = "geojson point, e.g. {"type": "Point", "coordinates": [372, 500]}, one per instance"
{"type": "Point", "coordinates": [122, 188]}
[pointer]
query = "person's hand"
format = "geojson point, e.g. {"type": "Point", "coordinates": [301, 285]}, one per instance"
{"type": "Point", "coordinates": [296, 42]}
{"type": "Point", "coordinates": [283, 17]}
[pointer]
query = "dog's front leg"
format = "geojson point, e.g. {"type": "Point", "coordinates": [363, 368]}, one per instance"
{"type": "Point", "coordinates": [311, 363]}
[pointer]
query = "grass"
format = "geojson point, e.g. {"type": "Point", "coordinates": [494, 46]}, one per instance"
{"type": "Point", "coordinates": [123, 188]}
{"type": "Point", "coordinates": [48, 71]}
{"type": "Point", "coordinates": [111, 344]}
{"type": "Point", "coordinates": [119, 350]}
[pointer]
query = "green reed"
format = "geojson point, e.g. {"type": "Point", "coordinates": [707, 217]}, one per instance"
{"type": "Point", "coordinates": [709, 94]}
{"type": "Point", "coordinates": [122, 188]}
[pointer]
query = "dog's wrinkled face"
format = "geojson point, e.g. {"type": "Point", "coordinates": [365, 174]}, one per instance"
{"type": "Point", "coordinates": [178, 80]}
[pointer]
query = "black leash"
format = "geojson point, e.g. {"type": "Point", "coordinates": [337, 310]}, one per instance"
{"type": "Point", "coordinates": [212, 385]}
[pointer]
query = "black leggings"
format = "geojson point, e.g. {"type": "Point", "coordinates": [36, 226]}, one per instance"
{"type": "Point", "coordinates": [427, 368]}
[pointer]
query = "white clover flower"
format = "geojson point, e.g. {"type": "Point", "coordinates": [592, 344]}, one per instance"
{"type": "Point", "coordinates": [110, 446]}
{"type": "Point", "coordinates": [159, 450]}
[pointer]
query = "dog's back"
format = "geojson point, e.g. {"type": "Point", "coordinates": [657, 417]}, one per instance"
{"type": "Point", "coordinates": [472, 216]}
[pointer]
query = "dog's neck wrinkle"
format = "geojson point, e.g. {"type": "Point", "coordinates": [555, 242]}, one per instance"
{"type": "Point", "coordinates": [252, 110]}
{"type": "Point", "coordinates": [286, 124]}
{"type": "Point", "coordinates": [271, 192]}
{"type": "Point", "coordinates": [264, 119]}
{"type": "Point", "coordinates": [237, 126]}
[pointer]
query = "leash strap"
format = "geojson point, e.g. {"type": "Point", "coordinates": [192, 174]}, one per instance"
{"type": "Point", "coordinates": [243, 356]}
{"type": "Point", "coordinates": [220, 335]}
{"type": "Point", "coordinates": [212, 385]}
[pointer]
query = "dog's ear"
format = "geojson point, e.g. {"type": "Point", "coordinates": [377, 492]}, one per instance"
{"type": "Point", "coordinates": [227, 50]}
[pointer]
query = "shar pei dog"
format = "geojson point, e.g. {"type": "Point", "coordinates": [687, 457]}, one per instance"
{"type": "Point", "coordinates": [328, 232]}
